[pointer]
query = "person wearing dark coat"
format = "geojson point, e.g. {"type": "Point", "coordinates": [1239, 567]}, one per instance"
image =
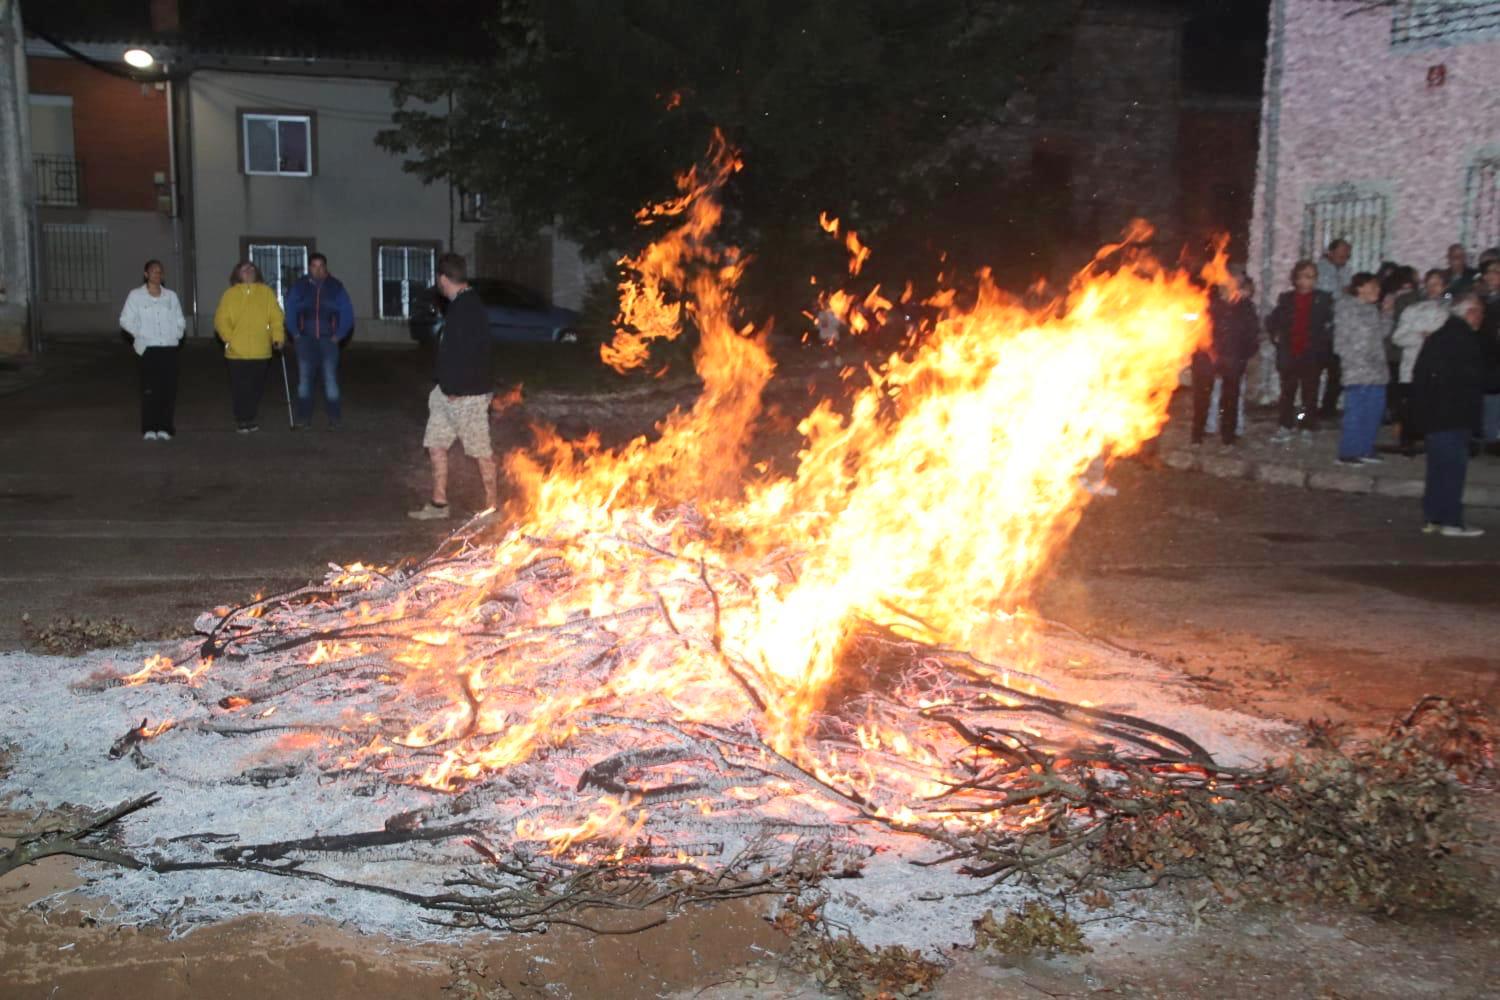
{"type": "Point", "coordinates": [1447, 397]}
{"type": "Point", "coordinates": [1235, 340]}
{"type": "Point", "coordinates": [1301, 327]}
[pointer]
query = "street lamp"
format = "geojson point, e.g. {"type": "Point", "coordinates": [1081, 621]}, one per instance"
{"type": "Point", "coordinates": [139, 58]}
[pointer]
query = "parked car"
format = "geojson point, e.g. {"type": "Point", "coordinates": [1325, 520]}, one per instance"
{"type": "Point", "coordinates": [516, 313]}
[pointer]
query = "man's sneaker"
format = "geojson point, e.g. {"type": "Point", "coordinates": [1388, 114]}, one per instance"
{"type": "Point", "coordinates": [163, 436]}
{"type": "Point", "coordinates": [1459, 531]}
{"type": "Point", "coordinates": [149, 436]}
{"type": "Point", "coordinates": [251, 428]}
{"type": "Point", "coordinates": [242, 429]}
{"type": "Point", "coordinates": [1371, 460]}
{"type": "Point", "coordinates": [429, 512]}
{"type": "Point", "coordinates": [1348, 461]}
{"type": "Point", "coordinates": [1431, 528]}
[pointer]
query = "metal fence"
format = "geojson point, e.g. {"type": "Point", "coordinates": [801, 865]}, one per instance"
{"type": "Point", "coordinates": [1359, 218]}
{"type": "Point", "coordinates": [74, 263]}
{"type": "Point", "coordinates": [1418, 23]}
{"type": "Point", "coordinates": [58, 180]}
{"type": "Point", "coordinates": [1482, 205]}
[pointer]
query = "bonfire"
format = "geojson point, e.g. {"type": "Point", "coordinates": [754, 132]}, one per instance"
{"type": "Point", "coordinates": [664, 674]}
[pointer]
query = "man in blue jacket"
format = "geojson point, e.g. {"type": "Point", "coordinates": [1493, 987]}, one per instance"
{"type": "Point", "coordinates": [319, 317]}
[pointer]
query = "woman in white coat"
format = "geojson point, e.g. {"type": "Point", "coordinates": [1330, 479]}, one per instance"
{"type": "Point", "coordinates": [153, 318]}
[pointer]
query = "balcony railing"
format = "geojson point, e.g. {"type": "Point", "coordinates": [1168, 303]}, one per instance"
{"type": "Point", "coordinates": [58, 180]}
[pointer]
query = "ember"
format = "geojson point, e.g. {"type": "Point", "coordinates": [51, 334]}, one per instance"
{"type": "Point", "coordinates": [660, 661]}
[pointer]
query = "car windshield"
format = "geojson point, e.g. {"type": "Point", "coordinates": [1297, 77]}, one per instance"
{"type": "Point", "coordinates": [493, 292]}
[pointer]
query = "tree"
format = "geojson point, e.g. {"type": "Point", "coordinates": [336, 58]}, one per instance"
{"type": "Point", "coordinates": [589, 107]}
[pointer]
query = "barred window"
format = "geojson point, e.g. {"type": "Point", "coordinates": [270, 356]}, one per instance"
{"type": "Point", "coordinates": [280, 145]}
{"type": "Point", "coordinates": [1482, 204]}
{"type": "Point", "coordinates": [74, 259]}
{"type": "Point", "coordinates": [1361, 217]}
{"type": "Point", "coordinates": [474, 206]}
{"type": "Point", "coordinates": [1422, 23]}
{"type": "Point", "coordinates": [281, 264]}
{"type": "Point", "coordinates": [402, 272]}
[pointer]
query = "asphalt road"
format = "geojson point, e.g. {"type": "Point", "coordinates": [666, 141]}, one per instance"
{"type": "Point", "coordinates": [96, 522]}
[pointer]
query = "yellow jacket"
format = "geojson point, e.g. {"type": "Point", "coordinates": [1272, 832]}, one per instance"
{"type": "Point", "coordinates": [250, 321]}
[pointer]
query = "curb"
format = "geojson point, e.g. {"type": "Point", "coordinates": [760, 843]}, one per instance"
{"type": "Point", "coordinates": [1328, 480]}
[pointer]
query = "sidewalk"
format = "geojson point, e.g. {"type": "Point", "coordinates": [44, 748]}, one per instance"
{"type": "Point", "coordinates": [1312, 464]}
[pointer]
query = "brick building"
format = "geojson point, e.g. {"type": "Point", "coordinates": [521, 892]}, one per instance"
{"type": "Point", "coordinates": [1380, 124]}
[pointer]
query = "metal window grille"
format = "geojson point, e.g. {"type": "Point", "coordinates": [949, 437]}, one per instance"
{"type": "Point", "coordinates": [402, 272]}
{"type": "Point", "coordinates": [277, 144]}
{"type": "Point", "coordinates": [74, 262]}
{"type": "Point", "coordinates": [1418, 23]}
{"type": "Point", "coordinates": [280, 265]}
{"type": "Point", "coordinates": [1362, 219]}
{"type": "Point", "coordinates": [57, 180]}
{"type": "Point", "coordinates": [1482, 204]}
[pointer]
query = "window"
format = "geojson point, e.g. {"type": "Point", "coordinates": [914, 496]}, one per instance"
{"type": "Point", "coordinates": [1347, 212]}
{"type": "Point", "coordinates": [474, 207]}
{"type": "Point", "coordinates": [282, 260]}
{"type": "Point", "coordinates": [403, 270]}
{"type": "Point", "coordinates": [1423, 23]}
{"type": "Point", "coordinates": [276, 144]}
{"type": "Point", "coordinates": [73, 263]}
{"type": "Point", "coordinates": [1482, 204]}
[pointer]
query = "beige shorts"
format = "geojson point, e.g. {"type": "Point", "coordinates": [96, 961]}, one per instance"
{"type": "Point", "coordinates": [466, 418]}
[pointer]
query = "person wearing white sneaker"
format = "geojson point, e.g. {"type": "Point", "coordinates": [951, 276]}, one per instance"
{"type": "Point", "coordinates": [1447, 397]}
{"type": "Point", "coordinates": [153, 318]}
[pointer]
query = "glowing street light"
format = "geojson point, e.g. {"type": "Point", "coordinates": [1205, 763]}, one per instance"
{"type": "Point", "coordinates": [139, 58]}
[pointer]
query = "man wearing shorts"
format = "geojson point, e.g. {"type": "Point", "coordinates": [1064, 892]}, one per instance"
{"type": "Point", "coordinates": [458, 407]}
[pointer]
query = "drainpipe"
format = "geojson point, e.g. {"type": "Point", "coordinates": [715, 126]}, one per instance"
{"type": "Point", "coordinates": [177, 264]}
{"type": "Point", "coordinates": [185, 218]}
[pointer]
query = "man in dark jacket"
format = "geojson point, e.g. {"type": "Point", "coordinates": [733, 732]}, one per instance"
{"type": "Point", "coordinates": [1447, 392]}
{"type": "Point", "coordinates": [1301, 327]}
{"type": "Point", "coordinates": [458, 408]}
{"type": "Point", "coordinates": [319, 317]}
{"type": "Point", "coordinates": [1235, 340]}
{"type": "Point", "coordinates": [1489, 344]}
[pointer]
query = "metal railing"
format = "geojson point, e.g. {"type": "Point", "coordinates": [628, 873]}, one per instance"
{"type": "Point", "coordinates": [58, 180]}
{"type": "Point", "coordinates": [1357, 217]}
{"type": "Point", "coordinates": [1482, 205]}
{"type": "Point", "coordinates": [74, 263]}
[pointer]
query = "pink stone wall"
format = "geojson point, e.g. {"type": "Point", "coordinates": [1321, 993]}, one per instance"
{"type": "Point", "coordinates": [1352, 108]}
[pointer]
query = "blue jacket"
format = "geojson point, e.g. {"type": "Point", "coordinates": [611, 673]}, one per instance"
{"type": "Point", "coordinates": [319, 309]}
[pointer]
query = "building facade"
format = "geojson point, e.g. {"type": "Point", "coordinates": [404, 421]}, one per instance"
{"type": "Point", "coordinates": [1380, 124]}
{"type": "Point", "coordinates": [238, 156]}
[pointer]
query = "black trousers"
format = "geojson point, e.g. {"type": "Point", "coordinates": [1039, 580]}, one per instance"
{"type": "Point", "coordinates": [1335, 370]}
{"type": "Point", "coordinates": [1302, 373]}
{"type": "Point", "coordinates": [1401, 404]}
{"type": "Point", "coordinates": [159, 389]}
{"type": "Point", "coordinates": [1204, 376]}
{"type": "Point", "coordinates": [247, 383]}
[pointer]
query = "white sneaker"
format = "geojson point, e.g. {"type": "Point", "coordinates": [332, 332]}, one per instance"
{"type": "Point", "coordinates": [1459, 531]}
{"type": "Point", "coordinates": [429, 512]}
{"type": "Point", "coordinates": [1371, 460]}
{"type": "Point", "coordinates": [149, 436]}
{"type": "Point", "coordinates": [163, 436]}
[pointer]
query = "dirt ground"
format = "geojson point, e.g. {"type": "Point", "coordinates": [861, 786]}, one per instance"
{"type": "Point", "coordinates": [1286, 603]}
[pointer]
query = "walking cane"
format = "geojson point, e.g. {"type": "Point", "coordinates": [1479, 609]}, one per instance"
{"type": "Point", "coordinates": [286, 384]}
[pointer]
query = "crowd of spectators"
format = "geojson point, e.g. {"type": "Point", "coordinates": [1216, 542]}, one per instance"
{"type": "Point", "coordinates": [1359, 350]}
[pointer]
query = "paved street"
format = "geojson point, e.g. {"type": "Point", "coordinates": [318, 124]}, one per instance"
{"type": "Point", "coordinates": [95, 522]}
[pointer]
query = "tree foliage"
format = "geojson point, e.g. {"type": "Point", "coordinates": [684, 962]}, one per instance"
{"type": "Point", "coordinates": [858, 107]}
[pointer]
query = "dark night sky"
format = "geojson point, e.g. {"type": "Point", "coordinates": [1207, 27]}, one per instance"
{"type": "Point", "coordinates": [1223, 41]}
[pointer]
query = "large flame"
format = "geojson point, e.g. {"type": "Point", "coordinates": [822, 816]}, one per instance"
{"type": "Point", "coordinates": [930, 501]}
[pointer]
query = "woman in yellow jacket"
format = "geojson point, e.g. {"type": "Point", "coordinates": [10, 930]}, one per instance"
{"type": "Point", "coordinates": [250, 323]}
